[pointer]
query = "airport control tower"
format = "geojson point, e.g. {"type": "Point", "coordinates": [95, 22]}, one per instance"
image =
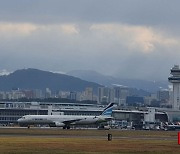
{"type": "Point", "coordinates": [175, 80]}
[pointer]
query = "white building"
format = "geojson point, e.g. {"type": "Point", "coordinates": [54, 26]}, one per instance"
{"type": "Point", "coordinates": [48, 93]}
{"type": "Point", "coordinates": [121, 93]}
{"type": "Point", "coordinates": [105, 94]}
{"type": "Point", "coordinates": [89, 93]}
{"type": "Point", "coordinates": [175, 80]}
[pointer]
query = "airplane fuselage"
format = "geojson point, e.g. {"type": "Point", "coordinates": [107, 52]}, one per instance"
{"type": "Point", "coordinates": [61, 120]}
{"type": "Point", "coordinates": [66, 120]}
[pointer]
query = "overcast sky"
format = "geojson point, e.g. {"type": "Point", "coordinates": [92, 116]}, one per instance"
{"type": "Point", "coordinates": [127, 38]}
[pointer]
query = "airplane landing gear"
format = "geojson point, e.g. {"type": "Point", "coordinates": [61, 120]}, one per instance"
{"type": "Point", "coordinates": [66, 127]}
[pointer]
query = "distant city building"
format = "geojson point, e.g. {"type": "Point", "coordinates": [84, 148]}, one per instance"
{"type": "Point", "coordinates": [28, 93]}
{"type": "Point", "coordinates": [2, 95]}
{"type": "Point", "coordinates": [89, 93]}
{"type": "Point", "coordinates": [163, 95]}
{"type": "Point", "coordinates": [105, 95]}
{"type": "Point", "coordinates": [170, 95]}
{"type": "Point", "coordinates": [100, 94]}
{"type": "Point", "coordinates": [85, 95]}
{"type": "Point", "coordinates": [153, 96]}
{"type": "Point", "coordinates": [111, 95]}
{"type": "Point", "coordinates": [149, 99]}
{"type": "Point", "coordinates": [37, 93]}
{"type": "Point", "coordinates": [95, 98]}
{"type": "Point", "coordinates": [134, 101]}
{"type": "Point", "coordinates": [73, 95]}
{"type": "Point", "coordinates": [17, 94]}
{"type": "Point", "coordinates": [121, 93]}
{"type": "Point", "coordinates": [64, 94]}
{"type": "Point", "coordinates": [48, 93]}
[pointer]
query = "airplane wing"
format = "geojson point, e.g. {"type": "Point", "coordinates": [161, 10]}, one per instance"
{"type": "Point", "coordinates": [70, 121]}
{"type": "Point", "coordinates": [66, 122]}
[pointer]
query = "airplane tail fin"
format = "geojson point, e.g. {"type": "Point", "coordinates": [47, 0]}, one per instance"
{"type": "Point", "coordinates": [108, 110]}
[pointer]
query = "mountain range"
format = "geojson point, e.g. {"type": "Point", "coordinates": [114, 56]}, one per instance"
{"type": "Point", "coordinates": [38, 79]}
{"type": "Point", "coordinates": [73, 81]}
{"type": "Point", "coordinates": [93, 76]}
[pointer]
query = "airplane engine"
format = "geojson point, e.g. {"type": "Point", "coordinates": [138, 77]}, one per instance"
{"type": "Point", "coordinates": [59, 124]}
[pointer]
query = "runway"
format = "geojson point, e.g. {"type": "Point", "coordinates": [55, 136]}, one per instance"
{"type": "Point", "coordinates": [90, 137]}
{"type": "Point", "coordinates": [37, 132]}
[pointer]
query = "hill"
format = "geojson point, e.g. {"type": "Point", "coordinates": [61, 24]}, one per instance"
{"type": "Point", "coordinates": [93, 76]}
{"type": "Point", "coordinates": [38, 79]}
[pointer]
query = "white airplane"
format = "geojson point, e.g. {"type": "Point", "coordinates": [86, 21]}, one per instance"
{"type": "Point", "coordinates": [66, 121]}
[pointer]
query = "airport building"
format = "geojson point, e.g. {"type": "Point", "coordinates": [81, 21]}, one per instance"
{"type": "Point", "coordinates": [11, 111]}
{"type": "Point", "coordinates": [175, 80]}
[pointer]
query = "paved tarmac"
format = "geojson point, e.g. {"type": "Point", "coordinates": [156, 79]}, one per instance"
{"type": "Point", "coordinates": [76, 136]}
{"type": "Point", "coordinates": [19, 134]}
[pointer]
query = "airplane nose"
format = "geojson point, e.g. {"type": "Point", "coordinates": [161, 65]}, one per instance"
{"type": "Point", "coordinates": [19, 120]}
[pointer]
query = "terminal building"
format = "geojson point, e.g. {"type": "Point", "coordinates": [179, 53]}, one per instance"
{"type": "Point", "coordinates": [11, 111]}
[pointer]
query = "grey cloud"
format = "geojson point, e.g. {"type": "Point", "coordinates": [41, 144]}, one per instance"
{"type": "Point", "coordinates": [102, 52]}
{"type": "Point", "coordinates": [121, 52]}
{"type": "Point", "coordinates": [140, 12]}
